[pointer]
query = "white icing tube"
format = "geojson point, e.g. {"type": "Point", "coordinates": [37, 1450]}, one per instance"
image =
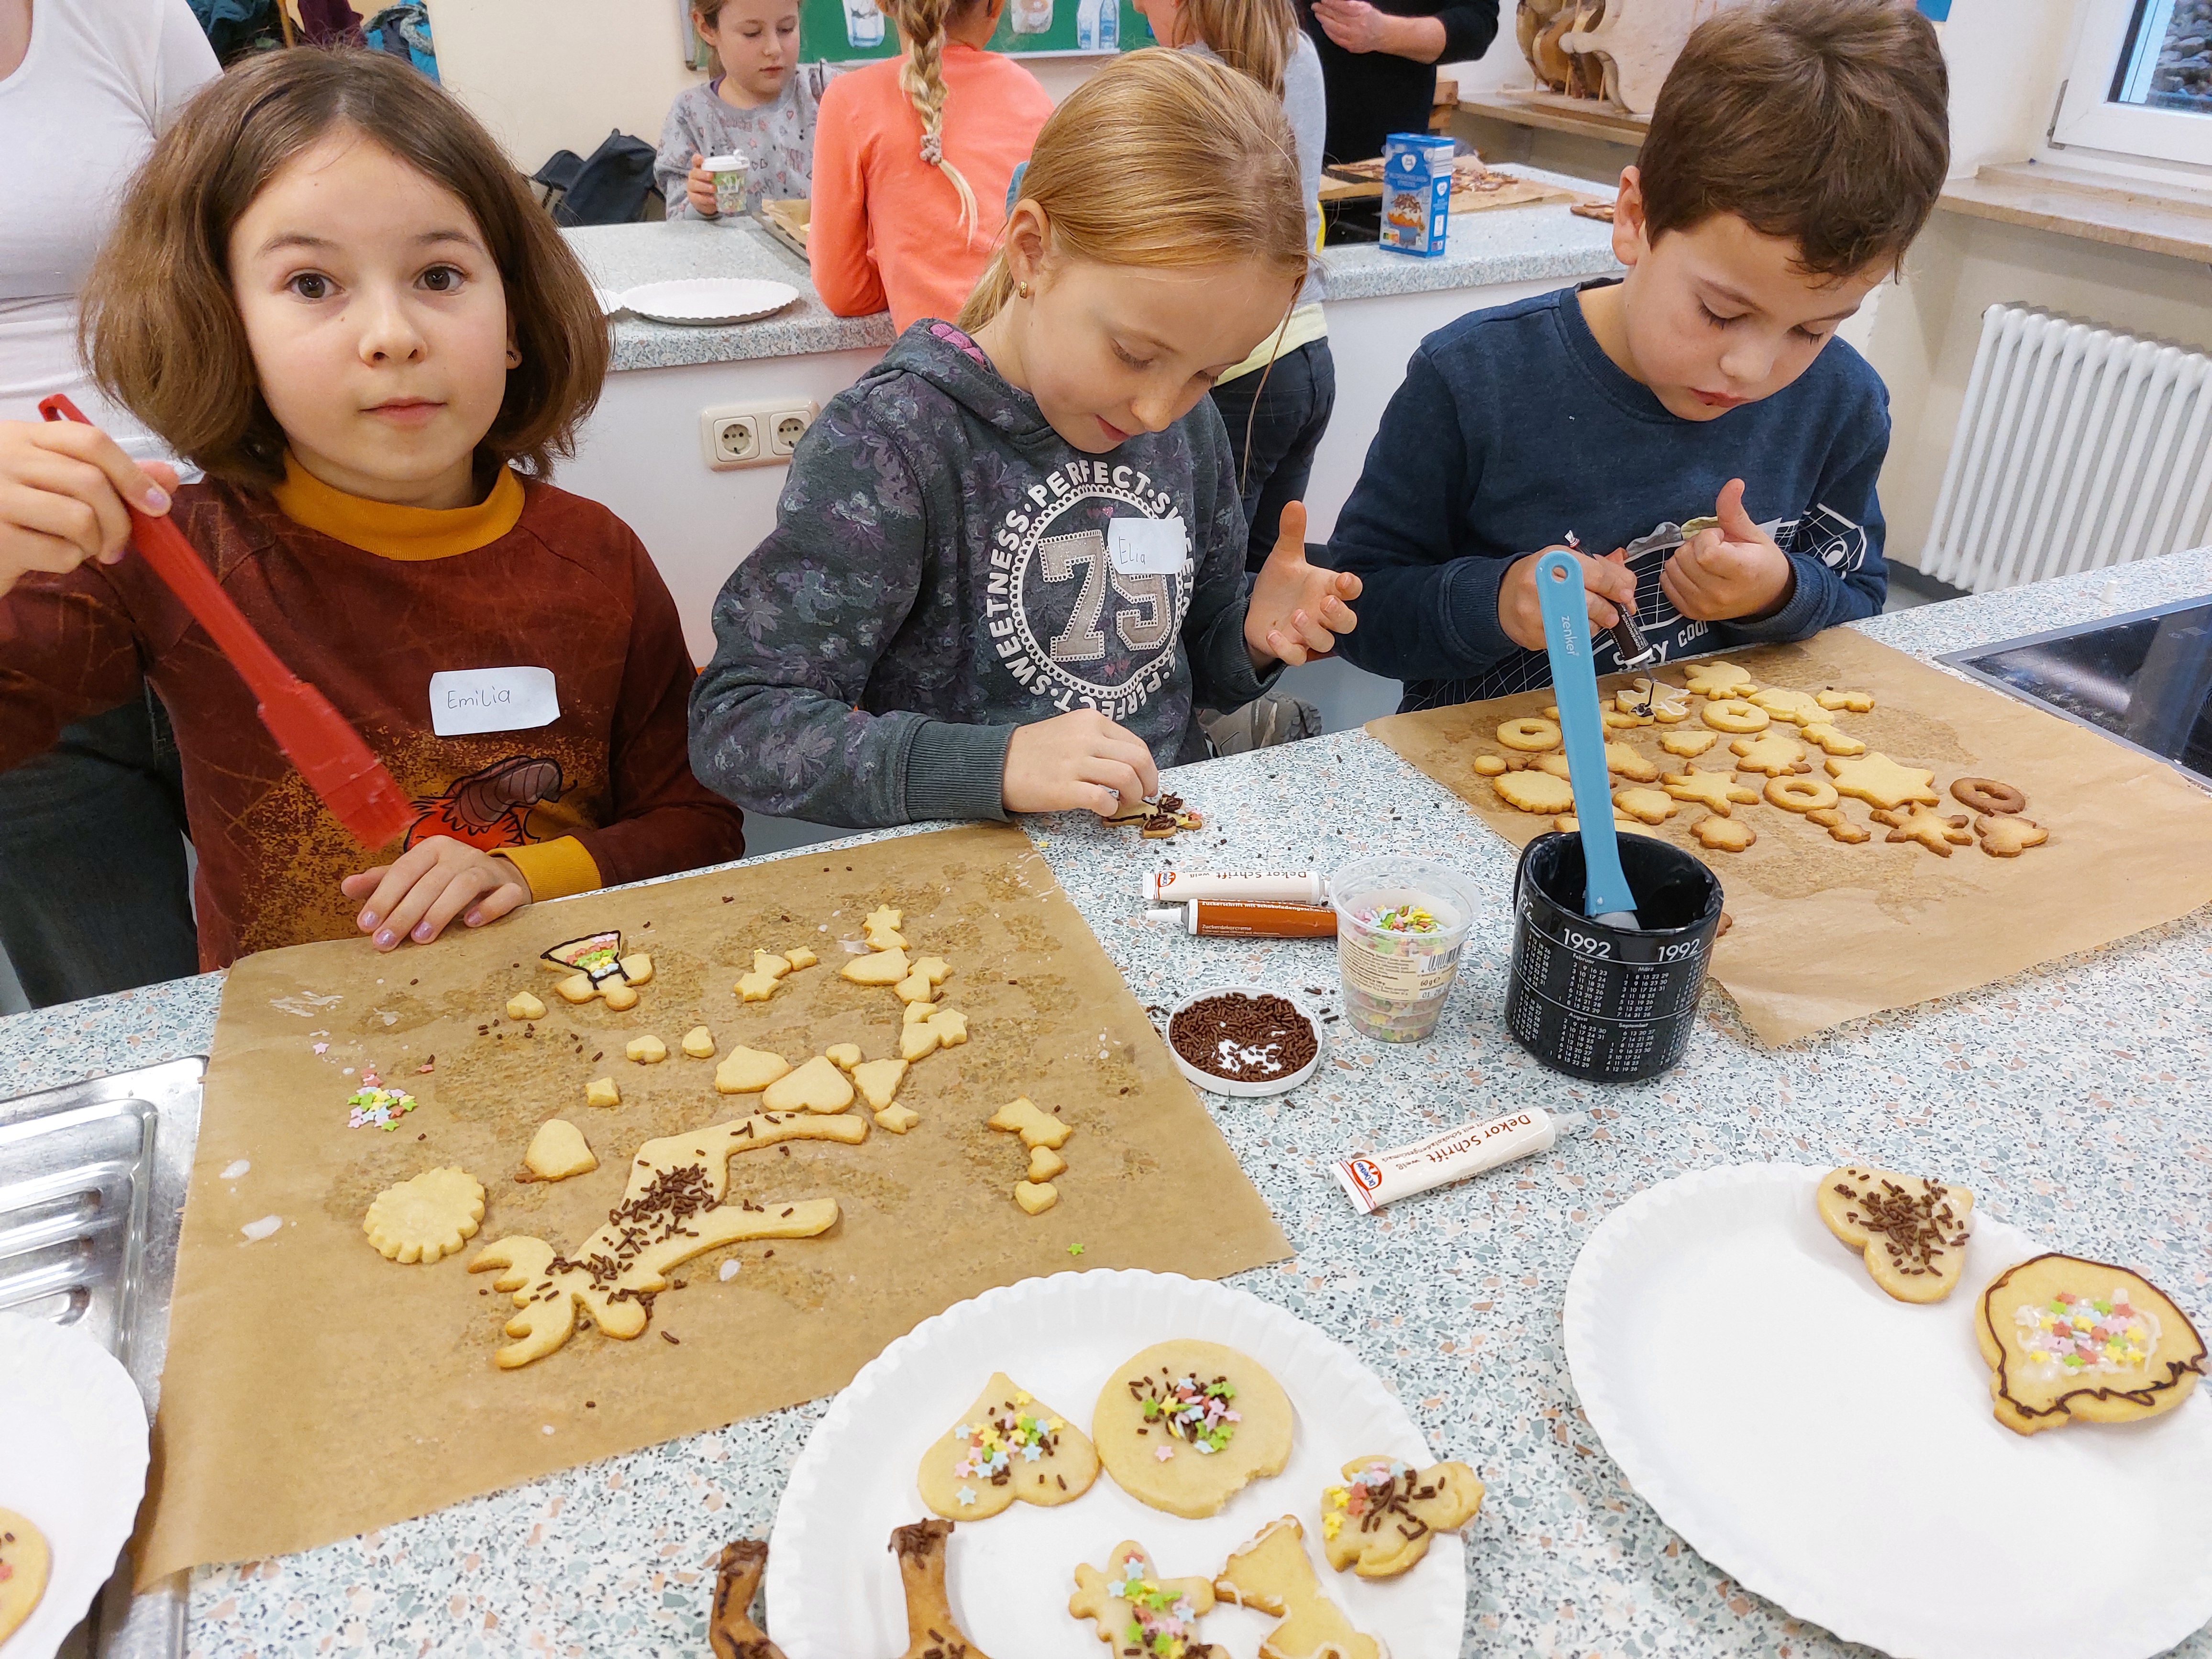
{"type": "Point", "coordinates": [1372, 1180]}
{"type": "Point", "coordinates": [1174, 886]}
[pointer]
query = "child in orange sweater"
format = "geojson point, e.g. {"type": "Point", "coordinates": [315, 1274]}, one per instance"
{"type": "Point", "coordinates": [329, 289]}
{"type": "Point", "coordinates": [912, 160]}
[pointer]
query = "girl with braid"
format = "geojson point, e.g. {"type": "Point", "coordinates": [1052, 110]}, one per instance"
{"type": "Point", "coordinates": [912, 159]}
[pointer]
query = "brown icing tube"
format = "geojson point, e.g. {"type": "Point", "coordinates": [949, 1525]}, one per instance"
{"type": "Point", "coordinates": [1233, 918]}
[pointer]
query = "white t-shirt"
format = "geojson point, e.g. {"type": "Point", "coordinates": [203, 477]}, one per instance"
{"type": "Point", "coordinates": [77, 117]}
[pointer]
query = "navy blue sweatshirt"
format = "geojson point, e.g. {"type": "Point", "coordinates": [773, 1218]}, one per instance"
{"type": "Point", "coordinates": [1513, 427]}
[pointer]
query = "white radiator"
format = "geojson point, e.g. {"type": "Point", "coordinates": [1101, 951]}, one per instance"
{"type": "Point", "coordinates": [2079, 448]}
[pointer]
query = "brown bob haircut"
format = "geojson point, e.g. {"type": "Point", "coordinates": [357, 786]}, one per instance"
{"type": "Point", "coordinates": [1823, 121]}
{"type": "Point", "coordinates": [161, 332]}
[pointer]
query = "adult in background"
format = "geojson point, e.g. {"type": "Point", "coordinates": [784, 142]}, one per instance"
{"type": "Point", "coordinates": [94, 892]}
{"type": "Point", "coordinates": [1380, 61]}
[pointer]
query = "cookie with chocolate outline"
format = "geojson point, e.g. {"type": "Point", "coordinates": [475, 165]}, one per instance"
{"type": "Point", "coordinates": [2068, 1341]}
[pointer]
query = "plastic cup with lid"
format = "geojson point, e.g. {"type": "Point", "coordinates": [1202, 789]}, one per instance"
{"type": "Point", "coordinates": [728, 172]}
{"type": "Point", "coordinates": [1399, 925]}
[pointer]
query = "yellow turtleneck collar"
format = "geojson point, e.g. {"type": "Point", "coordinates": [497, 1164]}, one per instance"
{"type": "Point", "coordinates": [398, 532]}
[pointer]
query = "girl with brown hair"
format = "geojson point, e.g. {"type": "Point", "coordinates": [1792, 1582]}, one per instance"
{"type": "Point", "coordinates": [1009, 564]}
{"type": "Point", "coordinates": [329, 289]}
{"type": "Point", "coordinates": [1278, 401]}
{"type": "Point", "coordinates": [912, 160]}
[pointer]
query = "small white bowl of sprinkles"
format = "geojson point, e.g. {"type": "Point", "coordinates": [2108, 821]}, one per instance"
{"type": "Point", "coordinates": [1244, 1040]}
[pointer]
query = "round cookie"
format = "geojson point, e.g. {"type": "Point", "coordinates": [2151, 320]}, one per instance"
{"type": "Point", "coordinates": [24, 1564]}
{"type": "Point", "coordinates": [1529, 734]}
{"type": "Point", "coordinates": [1184, 1426]}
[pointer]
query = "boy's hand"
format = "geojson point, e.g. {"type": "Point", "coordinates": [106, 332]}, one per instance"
{"type": "Point", "coordinates": [1079, 761]}
{"type": "Point", "coordinates": [1608, 588]}
{"type": "Point", "coordinates": [63, 486]}
{"type": "Point", "coordinates": [1297, 610]}
{"type": "Point", "coordinates": [1735, 570]}
{"type": "Point", "coordinates": [699, 187]}
{"type": "Point", "coordinates": [415, 894]}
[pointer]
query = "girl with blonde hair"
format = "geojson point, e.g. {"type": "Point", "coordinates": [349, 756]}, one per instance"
{"type": "Point", "coordinates": [1009, 562]}
{"type": "Point", "coordinates": [912, 159]}
{"type": "Point", "coordinates": [1278, 401]}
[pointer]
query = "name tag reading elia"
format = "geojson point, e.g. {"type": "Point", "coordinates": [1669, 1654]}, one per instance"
{"type": "Point", "coordinates": [1147, 547]}
{"type": "Point", "coordinates": [466, 701]}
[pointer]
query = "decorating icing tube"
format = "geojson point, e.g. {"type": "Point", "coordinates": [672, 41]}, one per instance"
{"type": "Point", "coordinates": [1375, 1179]}
{"type": "Point", "coordinates": [1229, 918]}
{"type": "Point", "coordinates": [1174, 886]}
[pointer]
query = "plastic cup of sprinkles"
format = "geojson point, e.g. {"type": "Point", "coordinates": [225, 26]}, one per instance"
{"type": "Point", "coordinates": [1244, 1039]}
{"type": "Point", "coordinates": [1399, 925]}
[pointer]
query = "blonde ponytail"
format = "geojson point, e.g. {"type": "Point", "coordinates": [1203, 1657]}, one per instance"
{"type": "Point", "coordinates": [922, 40]}
{"type": "Point", "coordinates": [1255, 36]}
{"type": "Point", "coordinates": [1164, 159]}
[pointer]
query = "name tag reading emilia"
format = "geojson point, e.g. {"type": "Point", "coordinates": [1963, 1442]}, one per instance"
{"type": "Point", "coordinates": [466, 701]}
{"type": "Point", "coordinates": [1147, 547]}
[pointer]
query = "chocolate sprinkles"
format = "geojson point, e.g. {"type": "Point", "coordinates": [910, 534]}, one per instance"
{"type": "Point", "coordinates": [1244, 1038]}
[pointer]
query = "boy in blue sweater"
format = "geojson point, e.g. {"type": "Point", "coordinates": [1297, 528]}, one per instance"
{"type": "Point", "coordinates": [1795, 151]}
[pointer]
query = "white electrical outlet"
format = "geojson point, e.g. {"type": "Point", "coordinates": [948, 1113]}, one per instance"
{"type": "Point", "coordinates": [733, 435]}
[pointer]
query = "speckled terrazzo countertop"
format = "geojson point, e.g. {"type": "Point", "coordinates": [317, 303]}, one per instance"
{"type": "Point", "coordinates": [2077, 1097]}
{"type": "Point", "coordinates": [1543, 242]}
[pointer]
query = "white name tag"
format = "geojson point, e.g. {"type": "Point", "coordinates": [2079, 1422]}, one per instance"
{"type": "Point", "coordinates": [1147, 547]}
{"type": "Point", "coordinates": [471, 700]}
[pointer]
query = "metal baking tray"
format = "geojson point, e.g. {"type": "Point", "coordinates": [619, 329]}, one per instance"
{"type": "Point", "coordinates": [93, 1178]}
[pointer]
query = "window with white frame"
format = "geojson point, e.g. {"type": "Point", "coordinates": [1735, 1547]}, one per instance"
{"type": "Point", "coordinates": [2141, 82]}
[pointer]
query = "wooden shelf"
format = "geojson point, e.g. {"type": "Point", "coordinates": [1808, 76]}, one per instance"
{"type": "Point", "coordinates": [2094, 207]}
{"type": "Point", "coordinates": [1555, 112]}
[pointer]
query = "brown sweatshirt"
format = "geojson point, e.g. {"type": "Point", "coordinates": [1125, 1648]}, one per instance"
{"type": "Point", "coordinates": [366, 601]}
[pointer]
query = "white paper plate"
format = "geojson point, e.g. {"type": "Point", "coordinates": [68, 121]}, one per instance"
{"type": "Point", "coordinates": [708, 300]}
{"type": "Point", "coordinates": [1834, 1450]}
{"type": "Point", "coordinates": [1223, 1085]}
{"type": "Point", "coordinates": [833, 1586]}
{"type": "Point", "coordinates": [74, 1463]}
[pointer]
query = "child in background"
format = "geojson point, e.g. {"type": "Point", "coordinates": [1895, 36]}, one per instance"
{"type": "Point", "coordinates": [1277, 401]}
{"type": "Point", "coordinates": [914, 162]}
{"type": "Point", "coordinates": [763, 106]}
{"type": "Point", "coordinates": [1009, 560]}
{"type": "Point", "coordinates": [330, 289]}
{"type": "Point", "coordinates": [1795, 151]}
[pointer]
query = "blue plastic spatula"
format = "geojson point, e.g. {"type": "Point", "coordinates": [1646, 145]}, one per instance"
{"type": "Point", "coordinates": [1574, 684]}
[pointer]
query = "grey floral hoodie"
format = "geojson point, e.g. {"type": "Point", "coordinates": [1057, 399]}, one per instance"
{"type": "Point", "coordinates": [939, 574]}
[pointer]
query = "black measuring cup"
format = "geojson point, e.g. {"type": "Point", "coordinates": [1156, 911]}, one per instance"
{"type": "Point", "coordinates": [1613, 1005]}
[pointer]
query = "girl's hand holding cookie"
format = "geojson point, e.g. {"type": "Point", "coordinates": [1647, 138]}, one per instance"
{"type": "Point", "coordinates": [1608, 589]}
{"type": "Point", "coordinates": [699, 187]}
{"type": "Point", "coordinates": [63, 486]}
{"type": "Point", "coordinates": [1731, 572]}
{"type": "Point", "coordinates": [418, 893]}
{"type": "Point", "coordinates": [1080, 761]}
{"type": "Point", "coordinates": [1297, 610]}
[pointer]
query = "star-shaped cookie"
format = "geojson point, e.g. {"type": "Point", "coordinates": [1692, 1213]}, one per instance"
{"type": "Point", "coordinates": [1772, 754]}
{"type": "Point", "coordinates": [1716, 790]}
{"type": "Point", "coordinates": [1932, 831]}
{"type": "Point", "coordinates": [1880, 781]}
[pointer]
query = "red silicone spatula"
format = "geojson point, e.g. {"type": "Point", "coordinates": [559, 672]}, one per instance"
{"type": "Point", "coordinates": [330, 754]}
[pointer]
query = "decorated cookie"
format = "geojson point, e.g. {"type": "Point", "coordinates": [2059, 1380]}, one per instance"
{"type": "Point", "coordinates": [730, 1632]}
{"type": "Point", "coordinates": [1380, 1520]}
{"type": "Point", "coordinates": [1912, 1231]}
{"type": "Point", "coordinates": [1934, 831]}
{"type": "Point", "coordinates": [25, 1562]}
{"type": "Point", "coordinates": [1718, 679]}
{"type": "Point", "coordinates": [2009, 837]}
{"type": "Point", "coordinates": [559, 1151]}
{"type": "Point", "coordinates": [2071, 1340]}
{"type": "Point", "coordinates": [1716, 790]}
{"type": "Point", "coordinates": [1006, 1448]}
{"type": "Point", "coordinates": [1534, 792]}
{"type": "Point", "coordinates": [1880, 781]}
{"type": "Point", "coordinates": [597, 956]}
{"type": "Point", "coordinates": [426, 1216]}
{"type": "Point", "coordinates": [1183, 1426]}
{"type": "Point", "coordinates": [931, 1630]}
{"type": "Point", "coordinates": [1140, 1615]}
{"type": "Point", "coordinates": [1272, 1575]}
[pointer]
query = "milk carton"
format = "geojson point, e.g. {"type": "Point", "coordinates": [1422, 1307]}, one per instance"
{"type": "Point", "coordinates": [1417, 181]}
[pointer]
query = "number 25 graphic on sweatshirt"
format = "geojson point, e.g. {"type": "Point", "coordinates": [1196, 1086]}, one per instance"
{"type": "Point", "coordinates": [1142, 624]}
